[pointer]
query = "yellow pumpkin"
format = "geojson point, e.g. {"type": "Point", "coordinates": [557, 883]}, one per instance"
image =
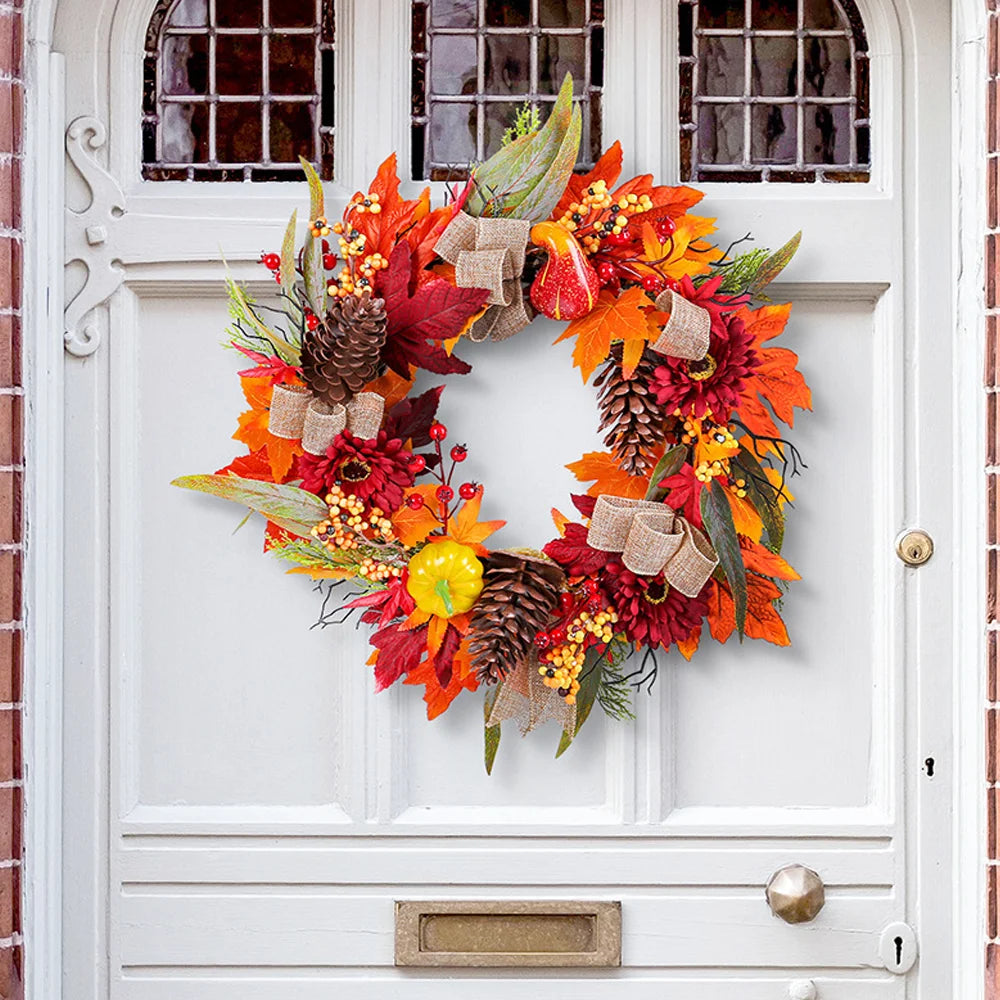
{"type": "Point", "coordinates": [445, 578]}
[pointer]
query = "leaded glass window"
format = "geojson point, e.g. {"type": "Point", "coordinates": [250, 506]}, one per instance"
{"type": "Point", "coordinates": [475, 63]}
{"type": "Point", "coordinates": [238, 90]}
{"type": "Point", "coordinates": [773, 90]}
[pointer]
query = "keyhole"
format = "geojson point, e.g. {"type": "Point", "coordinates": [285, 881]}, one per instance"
{"type": "Point", "coordinates": [929, 766]}
{"type": "Point", "coordinates": [898, 941]}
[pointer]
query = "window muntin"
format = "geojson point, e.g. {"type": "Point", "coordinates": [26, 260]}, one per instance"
{"type": "Point", "coordinates": [475, 62]}
{"type": "Point", "coordinates": [773, 90]}
{"type": "Point", "coordinates": [238, 89]}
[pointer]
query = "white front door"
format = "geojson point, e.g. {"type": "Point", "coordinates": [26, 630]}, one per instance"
{"type": "Point", "coordinates": [242, 810]}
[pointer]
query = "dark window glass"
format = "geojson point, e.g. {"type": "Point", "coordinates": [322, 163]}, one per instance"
{"type": "Point", "coordinates": [475, 63]}
{"type": "Point", "coordinates": [773, 90]}
{"type": "Point", "coordinates": [239, 89]}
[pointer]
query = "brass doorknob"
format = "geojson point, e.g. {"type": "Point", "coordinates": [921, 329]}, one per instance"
{"type": "Point", "coordinates": [796, 894]}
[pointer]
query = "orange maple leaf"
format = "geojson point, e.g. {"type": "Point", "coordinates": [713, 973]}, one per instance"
{"type": "Point", "coordinates": [776, 378]}
{"type": "Point", "coordinates": [413, 526]}
{"type": "Point", "coordinates": [466, 528]}
{"type": "Point", "coordinates": [628, 316]}
{"type": "Point", "coordinates": [602, 467]}
{"type": "Point", "coordinates": [685, 253]}
{"type": "Point", "coordinates": [689, 645]}
{"type": "Point", "coordinates": [382, 231]}
{"type": "Point", "coordinates": [608, 169]}
{"type": "Point", "coordinates": [672, 201]}
{"type": "Point", "coordinates": [763, 620]}
{"type": "Point", "coordinates": [391, 387]}
{"type": "Point", "coordinates": [560, 520]}
{"type": "Point", "coordinates": [253, 428]}
{"type": "Point", "coordinates": [746, 520]}
{"type": "Point", "coordinates": [762, 560]}
{"type": "Point", "coordinates": [463, 678]}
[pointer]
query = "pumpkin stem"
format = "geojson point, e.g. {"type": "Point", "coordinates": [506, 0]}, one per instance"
{"type": "Point", "coordinates": [443, 591]}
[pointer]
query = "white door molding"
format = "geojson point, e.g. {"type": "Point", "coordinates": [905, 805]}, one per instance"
{"type": "Point", "coordinates": [44, 360]}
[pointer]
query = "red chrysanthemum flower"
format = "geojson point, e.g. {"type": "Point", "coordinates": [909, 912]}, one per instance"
{"type": "Point", "coordinates": [376, 470]}
{"type": "Point", "coordinates": [649, 610]}
{"type": "Point", "coordinates": [714, 383]}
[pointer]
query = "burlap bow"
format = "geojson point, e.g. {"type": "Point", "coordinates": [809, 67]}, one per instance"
{"type": "Point", "coordinates": [489, 253]}
{"type": "Point", "coordinates": [525, 698]}
{"type": "Point", "coordinates": [653, 539]}
{"type": "Point", "coordinates": [295, 413]}
{"type": "Point", "coordinates": [686, 333]}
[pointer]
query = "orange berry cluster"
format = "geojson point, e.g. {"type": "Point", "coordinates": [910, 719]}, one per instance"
{"type": "Point", "coordinates": [319, 227]}
{"type": "Point", "coordinates": [562, 664]}
{"type": "Point", "coordinates": [598, 216]}
{"type": "Point", "coordinates": [365, 203]}
{"type": "Point", "coordinates": [352, 243]}
{"type": "Point", "coordinates": [377, 572]}
{"type": "Point", "coordinates": [344, 528]}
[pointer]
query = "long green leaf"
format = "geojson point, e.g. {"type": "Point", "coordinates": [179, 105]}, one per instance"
{"type": "Point", "coordinates": [511, 174]}
{"type": "Point", "coordinates": [774, 265]}
{"type": "Point", "coordinates": [672, 460]}
{"type": "Point", "coordinates": [288, 256]}
{"type": "Point", "coordinates": [288, 353]}
{"type": "Point", "coordinates": [590, 684]}
{"type": "Point", "coordinates": [289, 507]}
{"type": "Point", "coordinates": [491, 734]}
{"type": "Point", "coordinates": [717, 516]}
{"type": "Point", "coordinates": [763, 494]}
{"type": "Point", "coordinates": [314, 276]}
{"type": "Point", "coordinates": [538, 204]}
{"type": "Point", "coordinates": [317, 208]}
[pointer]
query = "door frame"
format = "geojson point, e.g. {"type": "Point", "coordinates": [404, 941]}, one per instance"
{"type": "Point", "coordinates": [45, 823]}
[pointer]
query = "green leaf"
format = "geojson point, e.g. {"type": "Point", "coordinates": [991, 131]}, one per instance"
{"type": "Point", "coordinates": [590, 684]}
{"type": "Point", "coordinates": [288, 256]}
{"type": "Point", "coordinates": [289, 507]}
{"type": "Point", "coordinates": [288, 353]}
{"type": "Point", "coordinates": [491, 734]}
{"type": "Point", "coordinates": [763, 494]}
{"type": "Point", "coordinates": [673, 459]}
{"type": "Point", "coordinates": [314, 275]}
{"type": "Point", "coordinates": [717, 516]}
{"type": "Point", "coordinates": [508, 178]}
{"type": "Point", "coordinates": [317, 209]}
{"type": "Point", "coordinates": [774, 265]}
{"type": "Point", "coordinates": [539, 203]}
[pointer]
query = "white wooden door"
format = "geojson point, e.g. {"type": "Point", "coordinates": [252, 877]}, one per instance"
{"type": "Point", "coordinates": [242, 810]}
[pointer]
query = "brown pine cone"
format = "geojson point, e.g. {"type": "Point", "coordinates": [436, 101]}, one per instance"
{"type": "Point", "coordinates": [520, 593]}
{"type": "Point", "coordinates": [341, 355]}
{"type": "Point", "coordinates": [629, 412]}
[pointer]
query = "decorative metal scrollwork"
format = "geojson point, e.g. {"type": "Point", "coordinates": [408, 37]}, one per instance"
{"type": "Point", "coordinates": [87, 237]}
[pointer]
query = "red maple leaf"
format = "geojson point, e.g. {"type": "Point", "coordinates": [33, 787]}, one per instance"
{"type": "Point", "coordinates": [574, 554]}
{"type": "Point", "coordinates": [685, 493]}
{"type": "Point", "coordinates": [411, 418]}
{"type": "Point", "coordinates": [436, 311]}
{"type": "Point", "coordinates": [382, 230]}
{"type": "Point", "coordinates": [256, 465]}
{"type": "Point", "coordinates": [269, 366]}
{"type": "Point", "coordinates": [444, 659]}
{"type": "Point", "coordinates": [399, 652]}
{"type": "Point", "coordinates": [584, 503]}
{"type": "Point", "coordinates": [382, 606]}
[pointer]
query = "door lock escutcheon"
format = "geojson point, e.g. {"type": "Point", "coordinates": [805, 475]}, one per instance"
{"type": "Point", "coordinates": [897, 948]}
{"type": "Point", "coordinates": [914, 547]}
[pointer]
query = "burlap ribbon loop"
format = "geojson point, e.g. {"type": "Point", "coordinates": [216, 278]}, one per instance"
{"type": "Point", "coordinates": [653, 539]}
{"type": "Point", "coordinates": [526, 699]}
{"type": "Point", "coordinates": [295, 414]}
{"type": "Point", "coordinates": [687, 332]}
{"type": "Point", "coordinates": [489, 253]}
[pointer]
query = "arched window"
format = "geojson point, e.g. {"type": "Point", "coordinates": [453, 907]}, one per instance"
{"type": "Point", "coordinates": [475, 63]}
{"type": "Point", "coordinates": [238, 90]}
{"type": "Point", "coordinates": [773, 90]}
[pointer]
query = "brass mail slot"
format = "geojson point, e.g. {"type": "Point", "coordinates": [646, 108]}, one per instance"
{"type": "Point", "coordinates": [498, 933]}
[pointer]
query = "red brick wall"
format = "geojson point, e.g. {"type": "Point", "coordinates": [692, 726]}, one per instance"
{"type": "Point", "coordinates": [11, 471]}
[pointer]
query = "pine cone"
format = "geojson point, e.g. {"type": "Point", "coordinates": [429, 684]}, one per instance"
{"type": "Point", "coordinates": [341, 355]}
{"type": "Point", "coordinates": [517, 601]}
{"type": "Point", "coordinates": [630, 413]}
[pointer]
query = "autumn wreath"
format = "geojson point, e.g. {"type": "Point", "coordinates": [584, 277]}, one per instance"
{"type": "Point", "coordinates": [683, 521]}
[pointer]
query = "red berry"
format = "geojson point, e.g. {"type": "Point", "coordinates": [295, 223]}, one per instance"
{"type": "Point", "coordinates": [417, 463]}
{"type": "Point", "coordinates": [666, 228]}
{"type": "Point", "coordinates": [312, 320]}
{"type": "Point", "coordinates": [566, 603]}
{"type": "Point", "coordinates": [414, 501]}
{"type": "Point", "coordinates": [459, 453]}
{"type": "Point", "coordinates": [542, 640]}
{"type": "Point", "coordinates": [329, 261]}
{"type": "Point", "coordinates": [438, 432]}
{"type": "Point", "coordinates": [674, 286]}
{"type": "Point", "coordinates": [445, 494]}
{"type": "Point", "coordinates": [271, 261]}
{"type": "Point", "coordinates": [326, 246]}
{"type": "Point", "coordinates": [468, 490]}
{"type": "Point", "coordinates": [606, 272]}
{"type": "Point", "coordinates": [653, 283]}
{"type": "Point", "coordinates": [591, 587]}
{"type": "Point", "coordinates": [620, 239]}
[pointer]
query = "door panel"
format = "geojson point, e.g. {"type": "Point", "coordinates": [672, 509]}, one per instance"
{"type": "Point", "coordinates": [249, 809]}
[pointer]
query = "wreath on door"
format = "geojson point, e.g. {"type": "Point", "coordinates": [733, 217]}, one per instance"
{"type": "Point", "coordinates": [682, 523]}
